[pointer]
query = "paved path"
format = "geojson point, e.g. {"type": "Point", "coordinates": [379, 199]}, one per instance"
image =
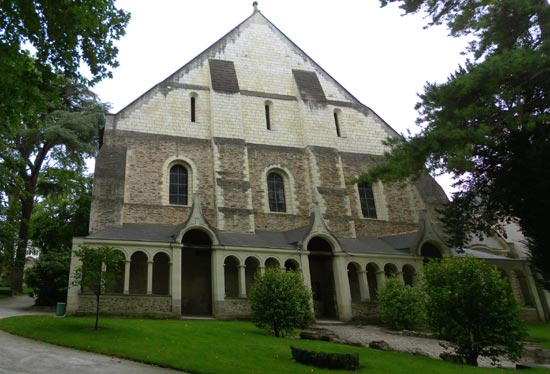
{"type": "Point", "coordinates": [24, 356]}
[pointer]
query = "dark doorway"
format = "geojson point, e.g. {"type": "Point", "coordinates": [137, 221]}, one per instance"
{"type": "Point", "coordinates": [322, 278]}
{"type": "Point", "coordinates": [196, 274]}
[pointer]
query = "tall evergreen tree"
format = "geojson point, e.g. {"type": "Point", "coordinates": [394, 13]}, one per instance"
{"type": "Point", "coordinates": [488, 124]}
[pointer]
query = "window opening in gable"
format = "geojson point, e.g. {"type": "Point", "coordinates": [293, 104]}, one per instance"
{"type": "Point", "coordinates": [193, 112]}
{"type": "Point", "coordinates": [178, 185]}
{"type": "Point", "coordinates": [276, 193]}
{"type": "Point", "coordinates": [337, 124]}
{"type": "Point", "coordinates": [267, 117]}
{"type": "Point", "coordinates": [366, 196]}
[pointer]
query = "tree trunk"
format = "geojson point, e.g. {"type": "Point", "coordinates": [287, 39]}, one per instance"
{"type": "Point", "coordinates": [27, 205]}
{"type": "Point", "coordinates": [96, 311]}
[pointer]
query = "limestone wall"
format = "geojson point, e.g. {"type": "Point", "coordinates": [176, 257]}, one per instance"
{"type": "Point", "coordinates": [130, 305]}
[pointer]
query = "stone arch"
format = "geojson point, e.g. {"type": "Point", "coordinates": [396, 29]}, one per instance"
{"type": "Point", "coordinates": [409, 274]}
{"type": "Point", "coordinates": [353, 279]}
{"type": "Point", "coordinates": [161, 274]}
{"type": "Point", "coordinates": [320, 249]}
{"type": "Point", "coordinates": [197, 237]}
{"type": "Point", "coordinates": [252, 265]}
{"type": "Point", "coordinates": [430, 251]}
{"type": "Point", "coordinates": [231, 276]}
{"type": "Point", "coordinates": [288, 182]}
{"type": "Point", "coordinates": [138, 273]}
{"type": "Point", "coordinates": [372, 279]}
{"type": "Point", "coordinates": [292, 264]}
{"type": "Point", "coordinates": [117, 282]}
{"type": "Point", "coordinates": [390, 270]}
{"type": "Point", "coordinates": [192, 180]}
{"type": "Point", "coordinates": [272, 262]}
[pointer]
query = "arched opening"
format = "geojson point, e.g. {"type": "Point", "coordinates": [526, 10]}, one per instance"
{"type": "Point", "coordinates": [524, 289]}
{"type": "Point", "coordinates": [179, 185]}
{"type": "Point", "coordinates": [390, 270]}
{"type": "Point", "coordinates": [231, 276]}
{"type": "Point", "coordinates": [116, 283]}
{"type": "Point", "coordinates": [276, 192]}
{"type": "Point", "coordinates": [430, 252]}
{"type": "Point", "coordinates": [408, 275]}
{"type": "Point", "coordinates": [161, 274]}
{"type": "Point", "coordinates": [196, 273]}
{"type": "Point", "coordinates": [252, 265]}
{"type": "Point", "coordinates": [291, 264]}
{"type": "Point", "coordinates": [138, 273]}
{"type": "Point", "coordinates": [322, 278]}
{"type": "Point", "coordinates": [353, 278]}
{"type": "Point", "coordinates": [372, 279]}
{"type": "Point", "coordinates": [272, 263]}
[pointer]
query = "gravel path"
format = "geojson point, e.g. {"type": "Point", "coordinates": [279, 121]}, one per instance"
{"type": "Point", "coordinates": [364, 335]}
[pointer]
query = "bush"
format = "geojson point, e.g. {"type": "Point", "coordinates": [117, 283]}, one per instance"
{"type": "Point", "coordinates": [280, 302]}
{"type": "Point", "coordinates": [472, 306]}
{"type": "Point", "coordinates": [49, 277]}
{"type": "Point", "coordinates": [326, 360]}
{"type": "Point", "coordinates": [401, 306]}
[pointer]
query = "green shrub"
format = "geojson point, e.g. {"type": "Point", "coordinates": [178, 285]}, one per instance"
{"type": "Point", "coordinates": [280, 302]}
{"type": "Point", "coordinates": [401, 306]}
{"type": "Point", "coordinates": [326, 360]}
{"type": "Point", "coordinates": [49, 277]}
{"type": "Point", "coordinates": [472, 306]}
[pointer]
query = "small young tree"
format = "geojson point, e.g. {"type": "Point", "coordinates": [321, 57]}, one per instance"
{"type": "Point", "coordinates": [471, 305]}
{"type": "Point", "coordinates": [401, 306]}
{"type": "Point", "coordinates": [96, 270]}
{"type": "Point", "coordinates": [280, 302]}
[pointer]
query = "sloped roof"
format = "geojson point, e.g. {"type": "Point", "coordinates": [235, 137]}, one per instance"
{"type": "Point", "coordinates": [260, 239]}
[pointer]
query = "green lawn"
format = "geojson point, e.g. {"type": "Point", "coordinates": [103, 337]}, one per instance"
{"type": "Point", "coordinates": [211, 346]}
{"type": "Point", "coordinates": [539, 333]}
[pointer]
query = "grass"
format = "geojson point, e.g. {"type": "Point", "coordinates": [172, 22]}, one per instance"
{"type": "Point", "coordinates": [539, 333]}
{"type": "Point", "coordinates": [212, 346]}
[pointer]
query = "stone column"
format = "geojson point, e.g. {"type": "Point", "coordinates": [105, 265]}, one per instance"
{"type": "Point", "coordinates": [262, 270]}
{"type": "Point", "coordinates": [380, 278]}
{"type": "Point", "coordinates": [176, 280]}
{"type": "Point", "coordinates": [242, 280]}
{"type": "Point", "coordinates": [73, 291]}
{"type": "Point", "coordinates": [149, 277]}
{"type": "Point", "coordinates": [363, 285]}
{"type": "Point", "coordinates": [399, 276]}
{"type": "Point", "coordinates": [127, 277]}
{"type": "Point", "coordinates": [341, 285]}
{"type": "Point", "coordinates": [170, 273]}
{"type": "Point", "coordinates": [218, 283]}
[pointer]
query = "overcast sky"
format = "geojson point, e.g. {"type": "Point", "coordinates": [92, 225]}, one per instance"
{"type": "Point", "coordinates": [379, 56]}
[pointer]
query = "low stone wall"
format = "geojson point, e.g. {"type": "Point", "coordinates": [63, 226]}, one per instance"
{"type": "Point", "coordinates": [234, 308]}
{"type": "Point", "coordinates": [529, 315]}
{"type": "Point", "coordinates": [127, 305]}
{"type": "Point", "coordinates": [366, 312]}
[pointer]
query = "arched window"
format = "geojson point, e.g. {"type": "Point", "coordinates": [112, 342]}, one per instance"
{"type": "Point", "coordinates": [337, 123]}
{"type": "Point", "coordinates": [276, 192]}
{"type": "Point", "coordinates": [178, 185]}
{"type": "Point", "coordinates": [366, 195]}
{"type": "Point", "coordinates": [193, 110]}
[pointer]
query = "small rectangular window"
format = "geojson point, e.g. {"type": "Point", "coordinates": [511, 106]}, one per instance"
{"type": "Point", "coordinates": [366, 196]}
{"type": "Point", "coordinates": [267, 118]}
{"type": "Point", "coordinates": [192, 109]}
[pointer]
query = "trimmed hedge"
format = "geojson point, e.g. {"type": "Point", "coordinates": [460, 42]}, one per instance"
{"type": "Point", "coordinates": [326, 360]}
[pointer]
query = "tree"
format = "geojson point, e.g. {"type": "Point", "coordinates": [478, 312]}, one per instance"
{"type": "Point", "coordinates": [401, 306]}
{"type": "Point", "coordinates": [49, 277]}
{"type": "Point", "coordinates": [488, 124]}
{"type": "Point", "coordinates": [97, 270]}
{"type": "Point", "coordinates": [39, 153]}
{"type": "Point", "coordinates": [471, 305]}
{"type": "Point", "coordinates": [280, 302]}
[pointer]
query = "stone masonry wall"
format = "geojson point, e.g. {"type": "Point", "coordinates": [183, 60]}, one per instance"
{"type": "Point", "coordinates": [130, 305]}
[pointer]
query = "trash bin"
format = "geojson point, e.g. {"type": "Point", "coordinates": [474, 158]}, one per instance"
{"type": "Point", "coordinates": [60, 309]}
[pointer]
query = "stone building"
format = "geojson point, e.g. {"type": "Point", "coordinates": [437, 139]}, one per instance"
{"type": "Point", "coordinates": [237, 162]}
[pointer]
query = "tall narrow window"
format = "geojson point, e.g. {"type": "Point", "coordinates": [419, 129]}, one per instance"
{"type": "Point", "coordinates": [337, 124]}
{"type": "Point", "coordinates": [178, 185]}
{"type": "Point", "coordinates": [276, 192]}
{"type": "Point", "coordinates": [267, 117]}
{"type": "Point", "coordinates": [193, 117]}
{"type": "Point", "coordinates": [367, 200]}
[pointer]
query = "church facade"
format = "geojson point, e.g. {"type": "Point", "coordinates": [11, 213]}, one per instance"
{"type": "Point", "coordinates": [238, 162]}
